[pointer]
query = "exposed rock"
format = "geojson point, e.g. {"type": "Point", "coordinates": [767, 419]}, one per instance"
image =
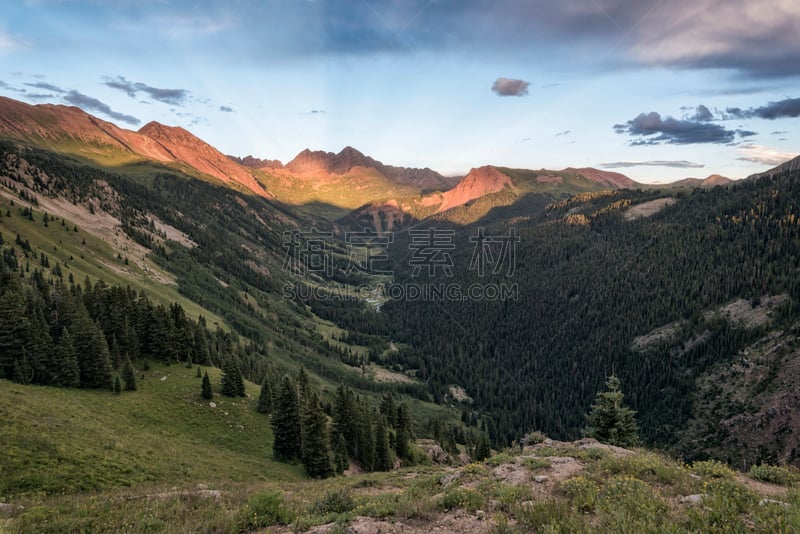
{"type": "Point", "coordinates": [764, 502]}
{"type": "Point", "coordinates": [434, 451]}
{"type": "Point", "coordinates": [540, 479]}
{"type": "Point", "coordinates": [693, 499]}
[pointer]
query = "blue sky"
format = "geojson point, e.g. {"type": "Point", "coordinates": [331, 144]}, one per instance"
{"type": "Point", "coordinates": [656, 89]}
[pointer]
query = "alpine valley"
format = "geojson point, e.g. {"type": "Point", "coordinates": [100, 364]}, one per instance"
{"type": "Point", "coordinates": [191, 341]}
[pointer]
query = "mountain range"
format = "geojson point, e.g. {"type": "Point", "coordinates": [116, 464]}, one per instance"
{"type": "Point", "coordinates": [348, 179]}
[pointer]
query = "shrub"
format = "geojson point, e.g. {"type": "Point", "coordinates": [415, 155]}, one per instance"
{"type": "Point", "coordinates": [467, 499]}
{"type": "Point", "coordinates": [536, 463]}
{"type": "Point", "coordinates": [265, 509]}
{"type": "Point", "coordinates": [712, 469]}
{"type": "Point", "coordinates": [334, 502]}
{"type": "Point", "coordinates": [532, 438]}
{"type": "Point", "coordinates": [582, 492]}
{"type": "Point", "coordinates": [548, 516]}
{"type": "Point", "coordinates": [498, 459]}
{"type": "Point", "coordinates": [785, 476]}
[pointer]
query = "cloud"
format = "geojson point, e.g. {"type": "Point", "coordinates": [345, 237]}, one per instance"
{"type": "Point", "coordinates": [698, 34]}
{"type": "Point", "coordinates": [87, 103]}
{"type": "Point", "coordinates": [680, 164]}
{"type": "Point", "coordinates": [39, 96]}
{"type": "Point", "coordinates": [782, 109]}
{"type": "Point", "coordinates": [702, 114]}
{"type": "Point", "coordinates": [226, 109]}
{"type": "Point", "coordinates": [9, 42]}
{"type": "Point", "coordinates": [173, 97]}
{"type": "Point", "coordinates": [565, 132]}
{"type": "Point", "coordinates": [652, 129]}
{"type": "Point", "coordinates": [46, 86]}
{"type": "Point", "coordinates": [763, 154]}
{"type": "Point", "coordinates": [510, 87]}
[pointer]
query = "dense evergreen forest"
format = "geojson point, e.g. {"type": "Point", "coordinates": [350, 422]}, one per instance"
{"type": "Point", "coordinates": [590, 281]}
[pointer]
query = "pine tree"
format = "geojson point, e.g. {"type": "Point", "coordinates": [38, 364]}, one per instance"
{"type": "Point", "coordinates": [610, 421]}
{"type": "Point", "coordinates": [483, 448]}
{"type": "Point", "coordinates": [344, 419]}
{"type": "Point", "coordinates": [67, 372]}
{"type": "Point", "coordinates": [365, 449]}
{"type": "Point", "coordinates": [128, 375]}
{"type": "Point", "coordinates": [117, 385]}
{"type": "Point", "coordinates": [403, 432]}
{"type": "Point", "coordinates": [206, 392]}
{"type": "Point", "coordinates": [341, 459]}
{"type": "Point", "coordinates": [265, 397]}
{"type": "Point", "coordinates": [383, 454]}
{"type": "Point", "coordinates": [229, 383]}
{"type": "Point", "coordinates": [286, 426]}
{"type": "Point", "coordinates": [316, 449]}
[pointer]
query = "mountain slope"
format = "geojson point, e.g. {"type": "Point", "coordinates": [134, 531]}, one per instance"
{"type": "Point", "coordinates": [184, 147]}
{"type": "Point", "coordinates": [789, 166]}
{"type": "Point", "coordinates": [477, 183]}
{"type": "Point", "coordinates": [319, 164]}
{"type": "Point", "coordinates": [71, 130]}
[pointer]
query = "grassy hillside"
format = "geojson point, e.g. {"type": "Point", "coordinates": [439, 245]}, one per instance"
{"type": "Point", "coordinates": [58, 441]}
{"type": "Point", "coordinates": [549, 487]}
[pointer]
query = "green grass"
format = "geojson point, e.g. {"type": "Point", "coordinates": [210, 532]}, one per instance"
{"type": "Point", "coordinates": [631, 494]}
{"type": "Point", "coordinates": [65, 441]}
{"type": "Point", "coordinates": [82, 254]}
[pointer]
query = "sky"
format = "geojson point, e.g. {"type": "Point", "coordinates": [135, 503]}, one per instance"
{"type": "Point", "coordinates": [656, 89]}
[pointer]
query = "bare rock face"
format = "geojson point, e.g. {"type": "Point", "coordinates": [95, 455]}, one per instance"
{"type": "Point", "coordinates": [479, 182]}
{"type": "Point", "coordinates": [434, 451]}
{"type": "Point", "coordinates": [322, 163]}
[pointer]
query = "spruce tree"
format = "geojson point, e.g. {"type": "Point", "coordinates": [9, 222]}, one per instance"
{"type": "Point", "coordinates": [316, 446]}
{"type": "Point", "coordinates": [383, 454]}
{"type": "Point", "coordinates": [67, 372]}
{"type": "Point", "coordinates": [265, 397]}
{"type": "Point", "coordinates": [286, 426]}
{"type": "Point", "coordinates": [483, 448]}
{"type": "Point", "coordinates": [206, 388]}
{"type": "Point", "coordinates": [610, 421]}
{"type": "Point", "coordinates": [344, 419]}
{"type": "Point", "coordinates": [117, 385]}
{"type": "Point", "coordinates": [229, 383]}
{"type": "Point", "coordinates": [128, 375]}
{"type": "Point", "coordinates": [403, 432]}
{"type": "Point", "coordinates": [341, 460]}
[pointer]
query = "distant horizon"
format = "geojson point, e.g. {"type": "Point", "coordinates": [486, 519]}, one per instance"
{"type": "Point", "coordinates": [459, 175]}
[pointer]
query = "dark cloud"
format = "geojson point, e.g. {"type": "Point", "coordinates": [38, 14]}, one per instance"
{"type": "Point", "coordinates": [87, 103]}
{"type": "Point", "coordinates": [652, 129]}
{"type": "Point", "coordinates": [680, 164]}
{"type": "Point", "coordinates": [47, 87]}
{"type": "Point", "coordinates": [782, 109]}
{"type": "Point", "coordinates": [700, 34]}
{"type": "Point", "coordinates": [779, 132]}
{"type": "Point", "coordinates": [39, 96]}
{"type": "Point", "coordinates": [565, 132]}
{"type": "Point", "coordinates": [173, 97]}
{"type": "Point", "coordinates": [702, 114]}
{"type": "Point", "coordinates": [226, 109]}
{"type": "Point", "coordinates": [510, 87]}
